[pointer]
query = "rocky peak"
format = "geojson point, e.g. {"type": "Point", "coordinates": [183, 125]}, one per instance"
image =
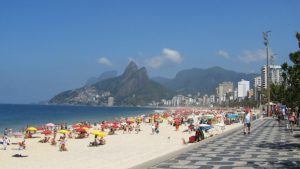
{"type": "Point", "coordinates": [131, 68]}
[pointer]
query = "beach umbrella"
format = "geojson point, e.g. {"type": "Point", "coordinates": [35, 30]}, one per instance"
{"type": "Point", "coordinates": [209, 116]}
{"type": "Point", "coordinates": [50, 125]}
{"type": "Point", "coordinates": [206, 128]}
{"type": "Point", "coordinates": [18, 134]}
{"type": "Point", "coordinates": [81, 130]}
{"type": "Point", "coordinates": [95, 132]}
{"type": "Point", "coordinates": [31, 129]}
{"type": "Point", "coordinates": [63, 131]}
{"type": "Point", "coordinates": [204, 125]}
{"type": "Point", "coordinates": [99, 133]}
{"type": "Point", "coordinates": [47, 132]}
{"type": "Point", "coordinates": [232, 116]}
{"type": "Point", "coordinates": [39, 128]}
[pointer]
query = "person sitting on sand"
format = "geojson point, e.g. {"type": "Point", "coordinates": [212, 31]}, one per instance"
{"type": "Point", "coordinates": [22, 145]}
{"type": "Point", "coordinates": [111, 131]}
{"type": "Point", "coordinates": [53, 142]}
{"type": "Point", "coordinates": [45, 140]}
{"type": "Point", "coordinates": [62, 146]}
{"type": "Point", "coordinates": [137, 129]}
{"type": "Point", "coordinates": [102, 141]}
{"type": "Point", "coordinates": [95, 142]}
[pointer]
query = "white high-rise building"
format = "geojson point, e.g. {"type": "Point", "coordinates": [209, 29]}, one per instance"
{"type": "Point", "coordinates": [275, 75]}
{"type": "Point", "coordinates": [110, 101]}
{"type": "Point", "coordinates": [243, 88]}
{"type": "Point", "coordinates": [257, 87]}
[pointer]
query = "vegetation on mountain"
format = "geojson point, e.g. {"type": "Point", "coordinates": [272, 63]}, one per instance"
{"type": "Point", "coordinates": [205, 81]}
{"type": "Point", "coordinates": [133, 87]}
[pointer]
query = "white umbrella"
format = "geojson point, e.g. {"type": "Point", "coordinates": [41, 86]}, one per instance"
{"type": "Point", "coordinates": [50, 125]}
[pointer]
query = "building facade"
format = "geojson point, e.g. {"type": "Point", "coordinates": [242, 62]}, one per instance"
{"type": "Point", "coordinates": [275, 75]}
{"type": "Point", "coordinates": [243, 88]}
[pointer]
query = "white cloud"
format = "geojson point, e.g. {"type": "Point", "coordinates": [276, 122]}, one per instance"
{"type": "Point", "coordinates": [155, 62]}
{"type": "Point", "coordinates": [105, 61]}
{"type": "Point", "coordinates": [248, 56]}
{"type": "Point", "coordinates": [223, 54]}
{"type": "Point", "coordinates": [172, 55]}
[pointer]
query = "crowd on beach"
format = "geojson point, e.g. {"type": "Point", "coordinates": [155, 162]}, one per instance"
{"type": "Point", "coordinates": [199, 123]}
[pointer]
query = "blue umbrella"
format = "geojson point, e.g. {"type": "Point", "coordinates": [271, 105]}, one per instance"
{"type": "Point", "coordinates": [233, 116]}
{"type": "Point", "coordinates": [205, 127]}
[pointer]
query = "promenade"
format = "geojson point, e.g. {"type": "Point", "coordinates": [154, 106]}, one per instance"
{"type": "Point", "coordinates": [268, 146]}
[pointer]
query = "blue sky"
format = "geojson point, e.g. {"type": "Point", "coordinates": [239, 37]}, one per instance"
{"type": "Point", "coordinates": [50, 46]}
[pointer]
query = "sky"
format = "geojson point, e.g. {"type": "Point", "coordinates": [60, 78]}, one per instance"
{"type": "Point", "coordinates": [47, 47]}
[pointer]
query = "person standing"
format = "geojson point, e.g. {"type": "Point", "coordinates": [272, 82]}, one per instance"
{"type": "Point", "coordinates": [5, 142]}
{"type": "Point", "coordinates": [247, 122]}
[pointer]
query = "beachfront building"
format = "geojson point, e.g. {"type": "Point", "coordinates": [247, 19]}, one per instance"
{"type": "Point", "coordinates": [212, 99]}
{"type": "Point", "coordinates": [110, 101]}
{"type": "Point", "coordinates": [222, 90]}
{"type": "Point", "coordinates": [275, 75]}
{"type": "Point", "coordinates": [243, 88]}
{"type": "Point", "coordinates": [257, 88]}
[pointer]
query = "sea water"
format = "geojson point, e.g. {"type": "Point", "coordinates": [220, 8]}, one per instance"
{"type": "Point", "coordinates": [17, 117]}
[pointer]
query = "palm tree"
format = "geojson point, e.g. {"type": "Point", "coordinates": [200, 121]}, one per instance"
{"type": "Point", "coordinates": [298, 38]}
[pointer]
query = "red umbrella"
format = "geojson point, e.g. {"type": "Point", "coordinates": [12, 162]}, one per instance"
{"type": "Point", "coordinates": [81, 130]}
{"type": "Point", "coordinates": [47, 132]}
{"type": "Point", "coordinates": [115, 126]}
{"type": "Point", "coordinates": [39, 128]}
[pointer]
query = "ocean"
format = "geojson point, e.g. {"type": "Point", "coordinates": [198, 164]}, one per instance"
{"type": "Point", "coordinates": [17, 117]}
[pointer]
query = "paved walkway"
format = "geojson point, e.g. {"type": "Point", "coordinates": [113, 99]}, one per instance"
{"type": "Point", "coordinates": [268, 146]}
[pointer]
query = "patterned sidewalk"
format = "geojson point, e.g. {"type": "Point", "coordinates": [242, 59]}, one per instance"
{"type": "Point", "coordinates": [268, 146]}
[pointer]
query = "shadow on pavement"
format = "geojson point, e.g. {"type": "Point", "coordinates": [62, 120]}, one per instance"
{"type": "Point", "coordinates": [280, 145]}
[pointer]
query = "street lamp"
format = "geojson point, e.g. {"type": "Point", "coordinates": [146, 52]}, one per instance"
{"type": "Point", "coordinates": [266, 43]}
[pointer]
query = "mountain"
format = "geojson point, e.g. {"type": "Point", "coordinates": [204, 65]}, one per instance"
{"type": "Point", "coordinates": [205, 81]}
{"type": "Point", "coordinates": [161, 80]}
{"type": "Point", "coordinates": [133, 87]}
{"type": "Point", "coordinates": [103, 76]}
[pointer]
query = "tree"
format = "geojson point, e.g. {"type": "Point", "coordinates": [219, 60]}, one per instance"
{"type": "Point", "coordinates": [291, 80]}
{"type": "Point", "coordinates": [298, 38]}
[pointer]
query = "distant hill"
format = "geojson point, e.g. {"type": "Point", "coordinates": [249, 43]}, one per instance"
{"type": "Point", "coordinates": [205, 81]}
{"type": "Point", "coordinates": [103, 76]}
{"type": "Point", "coordinates": [133, 87]}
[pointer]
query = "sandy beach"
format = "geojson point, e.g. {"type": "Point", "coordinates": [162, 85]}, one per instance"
{"type": "Point", "coordinates": [121, 150]}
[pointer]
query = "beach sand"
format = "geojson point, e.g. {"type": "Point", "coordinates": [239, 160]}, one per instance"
{"type": "Point", "coordinates": [121, 150]}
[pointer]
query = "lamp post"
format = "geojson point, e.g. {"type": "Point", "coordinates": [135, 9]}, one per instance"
{"type": "Point", "coordinates": [266, 43]}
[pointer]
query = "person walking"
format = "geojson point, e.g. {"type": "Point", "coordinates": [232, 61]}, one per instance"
{"type": "Point", "coordinates": [247, 122]}
{"type": "Point", "coordinates": [5, 142]}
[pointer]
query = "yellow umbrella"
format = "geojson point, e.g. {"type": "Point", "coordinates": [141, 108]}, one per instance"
{"type": "Point", "coordinates": [98, 133]}
{"type": "Point", "coordinates": [31, 129]}
{"type": "Point", "coordinates": [63, 131]}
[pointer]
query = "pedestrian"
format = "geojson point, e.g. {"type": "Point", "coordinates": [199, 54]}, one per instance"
{"type": "Point", "coordinates": [247, 122]}
{"type": "Point", "coordinates": [153, 128]}
{"type": "Point", "coordinates": [5, 142]}
{"type": "Point", "coordinates": [5, 132]}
